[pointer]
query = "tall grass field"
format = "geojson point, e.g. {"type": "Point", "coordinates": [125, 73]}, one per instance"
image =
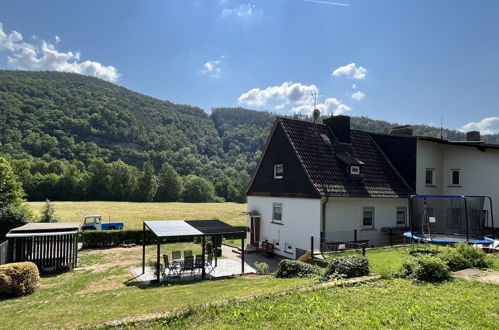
{"type": "Point", "coordinates": [133, 214]}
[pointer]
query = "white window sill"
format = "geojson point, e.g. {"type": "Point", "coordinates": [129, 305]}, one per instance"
{"type": "Point", "coordinates": [277, 223]}
{"type": "Point", "coordinates": [431, 185]}
{"type": "Point", "coordinates": [454, 186]}
{"type": "Point", "coordinates": [278, 177]}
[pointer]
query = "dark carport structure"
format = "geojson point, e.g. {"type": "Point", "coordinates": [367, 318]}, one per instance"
{"type": "Point", "coordinates": [180, 230]}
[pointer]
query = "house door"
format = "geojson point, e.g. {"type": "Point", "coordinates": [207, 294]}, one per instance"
{"type": "Point", "coordinates": [255, 231]}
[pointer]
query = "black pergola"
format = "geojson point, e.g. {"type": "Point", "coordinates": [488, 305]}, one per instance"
{"type": "Point", "coordinates": [180, 229]}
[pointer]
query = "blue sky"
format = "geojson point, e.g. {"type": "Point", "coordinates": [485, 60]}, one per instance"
{"type": "Point", "coordinates": [404, 61]}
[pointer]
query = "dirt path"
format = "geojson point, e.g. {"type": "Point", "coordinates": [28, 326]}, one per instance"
{"type": "Point", "coordinates": [474, 274]}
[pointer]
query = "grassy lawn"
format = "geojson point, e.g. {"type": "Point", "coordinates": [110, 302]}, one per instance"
{"type": "Point", "coordinates": [103, 289]}
{"type": "Point", "coordinates": [133, 214]}
{"type": "Point", "coordinates": [388, 304]}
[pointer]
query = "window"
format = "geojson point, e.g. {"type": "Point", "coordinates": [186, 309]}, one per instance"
{"type": "Point", "coordinates": [278, 171]}
{"type": "Point", "coordinates": [401, 216]}
{"type": "Point", "coordinates": [368, 217]}
{"type": "Point", "coordinates": [454, 177]}
{"type": "Point", "coordinates": [430, 176]}
{"type": "Point", "coordinates": [354, 169]}
{"type": "Point", "coordinates": [288, 247]}
{"type": "Point", "coordinates": [277, 212]}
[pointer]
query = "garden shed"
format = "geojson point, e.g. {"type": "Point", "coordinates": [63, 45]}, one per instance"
{"type": "Point", "coordinates": [48, 245]}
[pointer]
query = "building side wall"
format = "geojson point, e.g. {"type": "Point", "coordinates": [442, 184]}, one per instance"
{"type": "Point", "coordinates": [479, 171]}
{"type": "Point", "coordinates": [300, 221]}
{"type": "Point", "coordinates": [344, 216]}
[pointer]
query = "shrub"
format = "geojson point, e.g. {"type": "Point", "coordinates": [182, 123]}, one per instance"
{"type": "Point", "coordinates": [17, 279]}
{"type": "Point", "coordinates": [294, 268]}
{"type": "Point", "coordinates": [474, 255]}
{"type": "Point", "coordinates": [426, 268]}
{"type": "Point", "coordinates": [349, 266]}
{"type": "Point", "coordinates": [454, 259]}
{"type": "Point", "coordinates": [48, 212]}
{"type": "Point", "coordinates": [261, 268]}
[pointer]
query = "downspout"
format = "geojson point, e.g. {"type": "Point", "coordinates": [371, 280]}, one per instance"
{"type": "Point", "coordinates": [324, 201]}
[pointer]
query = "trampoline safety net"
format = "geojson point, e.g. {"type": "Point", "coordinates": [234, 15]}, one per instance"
{"type": "Point", "coordinates": [467, 216]}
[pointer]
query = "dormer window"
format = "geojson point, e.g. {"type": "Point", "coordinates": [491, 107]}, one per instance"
{"type": "Point", "coordinates": [354, 169]}
{"type": "Point", "coordinates": [278, 171]}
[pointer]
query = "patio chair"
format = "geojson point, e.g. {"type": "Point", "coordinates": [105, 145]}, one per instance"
{"type": "Point", "coordinates": [188, 265]}
{"type": "Point", "coordinates": [187, 253]}
{"type": "Point", "coordinates": [172, 267]}
{"type": "Point", "coordinates": [176, 255]}
{"type": "Point", "coordinates": [209, 261]}
{"type": "Point", "coordinates": [198, 262]}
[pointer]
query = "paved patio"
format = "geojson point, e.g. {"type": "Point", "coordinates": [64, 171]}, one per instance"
{"type": "Point", "coordinates": [225, 267]}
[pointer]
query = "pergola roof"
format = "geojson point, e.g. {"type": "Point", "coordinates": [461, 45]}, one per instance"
{"type": "Point", "coordinates": [42, 228]}
{"type": "Point", "coordinates": [192, 228]}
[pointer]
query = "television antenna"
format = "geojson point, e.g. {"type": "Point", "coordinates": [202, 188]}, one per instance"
{"type": "Point", "coordinates": [315, 113]}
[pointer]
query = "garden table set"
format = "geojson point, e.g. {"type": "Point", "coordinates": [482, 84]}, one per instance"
{"type": "Point", "coordinates": [188, 264]}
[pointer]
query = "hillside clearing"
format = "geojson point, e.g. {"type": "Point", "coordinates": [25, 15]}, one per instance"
{"type": "Point", "coordinates": [133, 214]}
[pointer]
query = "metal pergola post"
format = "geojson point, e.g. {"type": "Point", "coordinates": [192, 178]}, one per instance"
{"type": "Point", "coordinates": [143, 248]}
{"type": "Point", "coordinates": [203, 271]}
{"type": "Point", "coordinates": [158, 260]}
{"type": "Point", "coordinates": [242, 255]}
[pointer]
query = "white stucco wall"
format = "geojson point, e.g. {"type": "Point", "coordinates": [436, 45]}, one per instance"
{"type": "Point", "coordinates": [344, 215]}
{"type": "Point", "coordinates": [479, 171]}
{"type": "Point", "coordinates": [300, 220]}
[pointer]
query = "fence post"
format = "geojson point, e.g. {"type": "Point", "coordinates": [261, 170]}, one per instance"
{"type": "Point", "coordinates": [363, 249]}
{"type": "Point", "coordinates": [355, 235]}
{"type": "Point", "coordinates": [312, 246]}
{"type": "Point", "coordinates": [391, 236]}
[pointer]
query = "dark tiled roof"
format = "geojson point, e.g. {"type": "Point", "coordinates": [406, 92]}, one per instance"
{"type": "Point", "coordinates": [325, 162]}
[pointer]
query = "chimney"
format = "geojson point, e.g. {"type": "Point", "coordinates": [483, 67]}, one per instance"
{"type": "Point", "coordinates": [340, 125]}
{"type": "Point", "coordinates": [402, 130]}
{"type": "Point", "coordinates": [473, 136]}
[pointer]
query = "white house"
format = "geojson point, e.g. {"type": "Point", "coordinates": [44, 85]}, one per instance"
{"type": "Point", "coordinates": [320, 183]}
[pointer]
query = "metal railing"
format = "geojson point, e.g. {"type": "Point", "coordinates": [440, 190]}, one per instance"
{"type": "Point", "coordinates": [3, 252]}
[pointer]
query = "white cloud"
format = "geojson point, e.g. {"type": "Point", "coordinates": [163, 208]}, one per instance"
{"type": "Point", "coordinates": [354, 86]}
{"type": "Point", "coordinates": [297, 96]}
{"type": "Point", "coordinates": [488, 125]}
{"type": "Point", "coordinates": [328, 3]}
{"type": "Point", "coordinates": [243, 11]}
{"type": "Point", "coordinates": [358, 95]}
{"type": "Point", "coordinates": [351, 71]}
{"type": "Point", "coordinates": [213, 68]}
{"type": "Point", "coordinates": [26, 56]}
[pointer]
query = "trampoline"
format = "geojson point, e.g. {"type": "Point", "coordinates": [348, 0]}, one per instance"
{"type": "Point", "coordinates": [451, 219]}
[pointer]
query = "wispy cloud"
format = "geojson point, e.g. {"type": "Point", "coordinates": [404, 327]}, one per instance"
{"type": "Point", "coordinates": [351, 71]}
{"type": "Point", "coordinates": [488, 125]}
{"type": "Point", "coordinates": [213, 68]}
{"type": "Point", "coordinates": [297, 96]}
{"type": "Point", "coordinates": [45, 56]}
{"type": "Point", "coordinates": [243, 11]}
{"type": "Point", "coordinates": [358, 95]}
{"type": "Point", "coordinates": [328, 3]}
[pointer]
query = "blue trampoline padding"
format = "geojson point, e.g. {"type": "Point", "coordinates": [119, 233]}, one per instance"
{"type": "Point", "coordinates": [485, 240]}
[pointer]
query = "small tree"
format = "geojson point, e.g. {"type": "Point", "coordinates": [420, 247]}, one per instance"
{"type": "Point", "coordinates": [170, 184]}
{"type": "Point", "coordinates": [11, 191]}
{"type": "Point", "coordinates": [147, 185]}
{"type": "Point", "coordinates": [48, 213]}
{"type": "Point", "coordinates": [197, 190]}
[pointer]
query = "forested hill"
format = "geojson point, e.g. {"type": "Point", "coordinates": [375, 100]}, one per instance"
{"type": "Point", "coordinates": [70, 136]}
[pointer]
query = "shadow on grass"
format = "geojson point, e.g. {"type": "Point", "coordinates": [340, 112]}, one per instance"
{"type": "Point", "coordinates": [135, 283]}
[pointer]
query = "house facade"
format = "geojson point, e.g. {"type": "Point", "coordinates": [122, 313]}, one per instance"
{"type": "Point", "coordinates": [321, 183]}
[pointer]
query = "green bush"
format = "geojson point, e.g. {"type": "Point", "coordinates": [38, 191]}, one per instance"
{"type": "Point", "coordinates": [474, 255]}
{"type": "Point", "coordinates": [454, 259]}
{"type": "Point", "coordinates": [294, 268]}
{"type": "Point", "coordinates": [426, 268]}
{"type": "Point", "coordinates": [17, 279]}
{"type": "Point", "coordinates": [261, 268]}
{"type": "Point", "coordinates": [348, 266]}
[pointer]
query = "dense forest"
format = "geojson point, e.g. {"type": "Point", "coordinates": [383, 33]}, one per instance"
{"type": "Point", "coordinates": [74, 137]}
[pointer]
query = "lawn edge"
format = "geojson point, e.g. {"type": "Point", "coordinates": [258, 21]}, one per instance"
{"type": "Point", "coordinates": [139, 319]}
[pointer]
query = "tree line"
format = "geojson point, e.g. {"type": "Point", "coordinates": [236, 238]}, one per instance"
{"type": "Point", "coordinates": [117, 181]}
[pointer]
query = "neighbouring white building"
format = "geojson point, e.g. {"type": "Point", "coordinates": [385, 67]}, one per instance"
{"type": "Point", "coordinates": [326, 183]}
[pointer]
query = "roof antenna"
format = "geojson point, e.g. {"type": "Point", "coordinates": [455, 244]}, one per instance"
{"type": "Point", "coordinates": [316, 113]}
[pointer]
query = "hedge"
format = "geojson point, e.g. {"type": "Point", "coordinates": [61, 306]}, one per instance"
{"type": "Point", "coordinates": [17, 279]}
{"type": "Point", "coordinates": [349, 266]}
{"type": "Point", "coordinates": [426, 268]}
{"type": "Point", "coordinates": [293, 268]}
{"type": "Point", "coordinates": [110, 238]}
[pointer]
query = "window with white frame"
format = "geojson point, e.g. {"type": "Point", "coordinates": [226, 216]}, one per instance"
{"type": "Point", "coordinates": [455, 177]}
{"type": "Point", "coordinates": [430, 176]}
{"type": "Point", "coordinates": [277, 212]}
{"type": "Point", "coordinates": [278, 171]}
{"type": "Point", "coordinates": [368, 217]}
{"type": "Point", "coordinates": [354, 169]}
{"type": "Point", "coordinates": [401, 216]}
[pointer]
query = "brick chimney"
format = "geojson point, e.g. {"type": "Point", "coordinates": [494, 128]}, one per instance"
{"type": "Point", "coordinates": [340, 125]}
{"type": "Point", "coordinates": [473, 136]}
{"type": "Point", "coordinates": [402, 130]}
